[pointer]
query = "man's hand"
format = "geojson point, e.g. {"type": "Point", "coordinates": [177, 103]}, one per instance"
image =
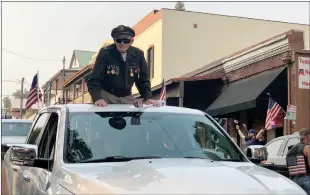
{"type": "Point", "coordinates": [153, 102]}
{"type": "Point", "coordinates": [101, 103]}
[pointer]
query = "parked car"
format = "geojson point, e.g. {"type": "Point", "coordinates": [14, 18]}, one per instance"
{"type": "Point", "coordinates": [121, 149]}
{"type": "Point", "coordinates": [13, 131]}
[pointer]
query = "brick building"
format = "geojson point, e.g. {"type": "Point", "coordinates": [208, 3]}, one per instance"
{"type": "Point", "coordinates": [236, 86]}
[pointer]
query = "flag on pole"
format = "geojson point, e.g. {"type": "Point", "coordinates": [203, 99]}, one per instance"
{"type": "Point", "coordinates": [274, 117]}
{"type": "Point", "coordinates": [35, 94]}
{"type": "Point", "coordinates": [162, 95]}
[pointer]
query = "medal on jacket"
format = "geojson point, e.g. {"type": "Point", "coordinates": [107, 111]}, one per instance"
{"type": "Point", "coordinates": [131, 73]}
{"type": "Point", "coordinates": [108, 71]}
{"type": "Point", "coordinates": [117, 70]}
{"type": "Point", "coordinates": [112, 71]}
{"type": "Point", "coordinates": [138, 72]}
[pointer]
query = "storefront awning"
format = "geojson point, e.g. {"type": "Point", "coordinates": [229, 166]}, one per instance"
{"type": "Point", "coordinates": [242, 95]}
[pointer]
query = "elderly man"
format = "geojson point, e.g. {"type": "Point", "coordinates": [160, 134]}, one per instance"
{"type": "Point", "coordinates": [298, 161]}
{"type": "Point", "coordinates": [117, 68]}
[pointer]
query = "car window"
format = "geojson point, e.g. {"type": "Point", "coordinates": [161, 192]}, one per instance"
{"type": "Point", "coordinates": [48, 138]}
{"type": "Point", "coordinates": [290, 142]}
{"type": "Point", "coordinates": [274, 147]}
{"type": "Point", "coordinates": [37, 128]}
{"type": "Point", "coordinates": [15, 128]}
{"type": "Point", "coordinates": [94, 136]}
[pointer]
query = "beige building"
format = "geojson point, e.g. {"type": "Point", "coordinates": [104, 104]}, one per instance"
{"type": "Point", "coordinates": [177, 42]}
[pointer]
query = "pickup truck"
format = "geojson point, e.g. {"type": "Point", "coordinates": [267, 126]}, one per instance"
{"type": "Point", "coordinates": [277, 150]}
{"type": "Point", "coordinates": [122, 149]}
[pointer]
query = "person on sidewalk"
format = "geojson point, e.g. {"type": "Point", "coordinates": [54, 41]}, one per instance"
{"type": "Point", "coordinates": [251, 139]}
{"type": "Point", "coordinates": [298, 161]}
{"type": "Point", "coordinates": [117, 68]}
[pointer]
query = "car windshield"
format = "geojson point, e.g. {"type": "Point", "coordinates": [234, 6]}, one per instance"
{"type": "Point", "coordinates": [15, 129]}
{"type": "Point", "coordinates": [95, 136]}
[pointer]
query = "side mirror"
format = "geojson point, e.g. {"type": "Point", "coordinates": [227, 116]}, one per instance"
{"type": "Point", "coordinates": [23, 155]}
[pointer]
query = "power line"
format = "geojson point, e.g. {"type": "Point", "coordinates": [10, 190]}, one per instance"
{"type": "Point", "coordinates": [15, 81]}
{"type": "Point", "coordinates": [20, 55]}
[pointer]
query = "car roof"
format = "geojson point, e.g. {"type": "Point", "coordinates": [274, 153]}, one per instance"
{"type": "Point", "coordinates": [128, 108]}
{"type": "Point", "coordinates": [15, 121]}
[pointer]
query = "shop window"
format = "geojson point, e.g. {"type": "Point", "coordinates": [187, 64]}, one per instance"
{"type": "Point", "coordinates": [150, 61]}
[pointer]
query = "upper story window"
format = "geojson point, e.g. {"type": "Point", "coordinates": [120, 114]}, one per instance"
{"type": "Point", "coordinates": [150, 61]}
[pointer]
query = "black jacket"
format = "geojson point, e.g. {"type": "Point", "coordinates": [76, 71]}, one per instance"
{"type": "Point", "coordinates": [117, 77]}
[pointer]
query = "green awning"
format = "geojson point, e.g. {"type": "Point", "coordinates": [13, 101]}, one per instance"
{"type": "Point", "coordinates": [242, 94]}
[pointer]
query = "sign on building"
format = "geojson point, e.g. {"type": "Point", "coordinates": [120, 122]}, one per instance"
{"type": "Point", "coordinates": [304, 72]}
{"type": "Point", "coordinates": [291, 112]}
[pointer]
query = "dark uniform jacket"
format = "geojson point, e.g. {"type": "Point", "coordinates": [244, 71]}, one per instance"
{"type": "Point", "coordinates": [116, 76]}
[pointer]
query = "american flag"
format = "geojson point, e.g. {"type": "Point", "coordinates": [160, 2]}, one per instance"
{"type": "Point", "coordinates": [33, 93]}
{"type": "Point", "coordinates": [296, 165]}
{"type": "Point", "coordinates": [162, 95]}
{"type": "Point", "coordinates": [274, 115]}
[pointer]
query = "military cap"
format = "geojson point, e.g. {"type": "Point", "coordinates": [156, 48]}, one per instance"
{"type": "Point", "coordinates": [122, 30]}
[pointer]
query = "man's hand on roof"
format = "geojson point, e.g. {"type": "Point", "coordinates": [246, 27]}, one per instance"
{"type": "Point", "coordinates": [152, 102]}
{"type": "Point", "coordinates": [101, 103]}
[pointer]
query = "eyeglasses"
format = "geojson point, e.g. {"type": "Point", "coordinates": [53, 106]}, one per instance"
{"type": "Point", "coordinates": [126, 41]}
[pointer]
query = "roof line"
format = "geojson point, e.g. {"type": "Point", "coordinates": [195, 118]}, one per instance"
{"type": "Point", "coordinates": [56, 75]}
{"type": "Point", "coordinates": [84, 50]}
{"type": "Point", "coordinates": [243, 17]}
{"type": "Point", "coordinates": [85, 68]}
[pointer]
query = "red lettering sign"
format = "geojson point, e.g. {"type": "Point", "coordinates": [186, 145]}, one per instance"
{"type": "Point", "coordinates": [304, 61]}
{"type": "Point", "coordinates": [305, 83]}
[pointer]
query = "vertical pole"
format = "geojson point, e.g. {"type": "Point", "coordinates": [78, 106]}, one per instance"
{"type": "Point", "coordinates": [181, 98]}
{"type": "Point", "coordinates": [64, 78]}
{"type": "Point", "coordinates": [83, 89]}
{"type": "Point", "coordinates": [21, 98]}
{"type": "Point", "coordinates": [38, 91]}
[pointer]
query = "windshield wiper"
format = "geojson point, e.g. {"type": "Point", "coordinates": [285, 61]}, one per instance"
{"type": "Point", "coordinates": [195, 157]}
{"type": "Point", "coordinates": [229, 160]}
{"type": "Point", "coordinates": [118, 159]}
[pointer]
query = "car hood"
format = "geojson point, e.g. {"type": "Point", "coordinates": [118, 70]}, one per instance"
{"type": "Point", "coordinates": [174, 176]}
{"type": "Point", "coordinates": [9, 140]}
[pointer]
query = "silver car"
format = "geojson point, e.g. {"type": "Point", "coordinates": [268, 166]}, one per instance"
{"type": "Point", "coordinates": [121, 149]}
{"type": "Point", "coordinates": [13, 131]}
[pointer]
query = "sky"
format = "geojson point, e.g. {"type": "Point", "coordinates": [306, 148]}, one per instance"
{"type": "Point", "coordinates": [50, 30]}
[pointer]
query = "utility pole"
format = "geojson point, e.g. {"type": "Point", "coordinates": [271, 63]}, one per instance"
{"type": "Point", "coordinates": [64, 79]}
{"type": "Point", "coordinates": [21, 98]}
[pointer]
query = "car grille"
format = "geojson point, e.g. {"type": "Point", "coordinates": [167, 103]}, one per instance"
{"type": "Point", "coordinates": [4, 149]}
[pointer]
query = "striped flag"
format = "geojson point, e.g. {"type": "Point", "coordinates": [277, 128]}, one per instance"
{"type": "Point", "coordinates": [162, 95]}
{"type": "Point", "coordinates": [33, 96]}
{"type": "Point", "coordinates": [296, 165]}
{"type": "Point", "coordinates": [274, 117]}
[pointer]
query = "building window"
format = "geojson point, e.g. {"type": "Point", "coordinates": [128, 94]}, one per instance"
{"type": "Point", "coordinates": [150, 61]}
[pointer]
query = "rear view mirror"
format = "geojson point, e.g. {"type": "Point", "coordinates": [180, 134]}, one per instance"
{"type": "Point", "coordinates": [23, 155]}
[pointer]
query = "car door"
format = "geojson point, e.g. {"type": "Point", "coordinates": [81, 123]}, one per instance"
{"type": "Point", "coordinates": [273, 149]}
{"type": "Point", "coordinates": [18, 180]}
{"type": "Point", "coordinates": [39, 178]}
{"type": "Point", "coordinates": [282, 158]}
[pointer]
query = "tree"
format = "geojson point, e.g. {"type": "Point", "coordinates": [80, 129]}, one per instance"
{"type": "Point", "coordinates": [7, 103]}
{"type": "Point", "coordinates": [17, 94]}
{"type": "Point", "coordinates": [180, 6]}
